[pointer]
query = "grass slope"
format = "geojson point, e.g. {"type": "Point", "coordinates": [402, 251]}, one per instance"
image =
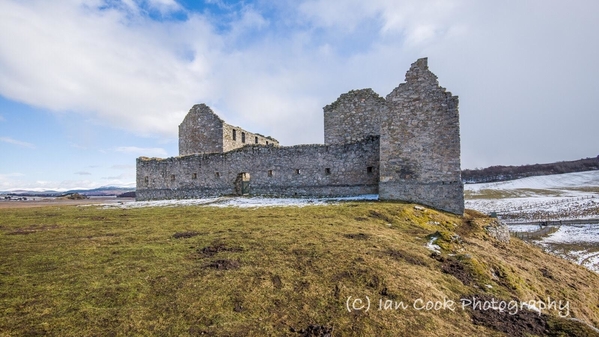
{"type": "Point", "coordinates": [280, 271]}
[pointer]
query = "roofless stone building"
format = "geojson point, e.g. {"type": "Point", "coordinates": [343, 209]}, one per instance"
{"type": "Point", "coordinates": [403, 147]}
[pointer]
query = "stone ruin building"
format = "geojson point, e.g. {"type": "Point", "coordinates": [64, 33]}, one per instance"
{"type": "Point", "coordinates": [403, 147]}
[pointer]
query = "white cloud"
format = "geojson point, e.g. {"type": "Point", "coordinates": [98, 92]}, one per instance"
{"type": "Point", "coordinates": [17, 142]}
{"type": "Point", "coordinates": [141, 151]}
{"type": "Point", "coordinates": [130, 72]}
{"type": "Point", "coordinates": [2, 119]}
{"type": "Point", "coordinates": [519, 67]}
{"type": "Point", "coordinates": [83, 173]}
{"type": "Point", "coordinates": [165, 6]}
{"type": "Point", "coordinates": [10, 175]}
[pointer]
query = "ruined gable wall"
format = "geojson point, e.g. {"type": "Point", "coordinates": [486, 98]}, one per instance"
{"type": "Point", "coordinates": [200, 132]}
{"type": "Point", "coordinates": [250, 138]}
{"type": "Point", "coordinates": [348, 172]}
{"type": "Point", "coordinates": [420, 143]}
{"type": "Point", "coordinates": [353, 116]}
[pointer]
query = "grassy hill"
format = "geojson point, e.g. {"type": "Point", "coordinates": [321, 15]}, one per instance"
{"type": "Point", "coordinates": [278, 271]}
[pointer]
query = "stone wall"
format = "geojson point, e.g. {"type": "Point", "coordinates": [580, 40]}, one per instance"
{"type": "Point", "coordinates": [302, 170]}
{"type": "Point", "coordinates": [405, 147]}
{"type": "Point", "coordinates": [201, 131]}
{"type": "Point", "coordinates": [353, 116]}
{"type": "Point", "coordinates": [420, 143]}
{"type": "Point", "coordinates": [235, 137]}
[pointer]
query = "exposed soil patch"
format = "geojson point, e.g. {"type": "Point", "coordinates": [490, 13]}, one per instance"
{"type": "Point", "coordinates": [224, 264]}
{"type": "Point", "coordinates": [357, 236]}
{"type": "Point", "coordinates": [401, 255]}
{"type": "Point", "coordinates": [314, 330]}
{"type": "Point", "coordinates": [185, 235]}
{"type": "Point", "coordinates": [456, 268]}
{"type": "Point", "coordinates": [276, 282]}
{"type": "Point", "coordinates": [217, 248]}
{"type": "Point", "coordinates": [378, 215]}
{"type": "Point", "coordinates": [522, 323]}
{"type": "Point", "coordinates": [546, 273]}
{"type": "Point", "coordinates": [32, 229]}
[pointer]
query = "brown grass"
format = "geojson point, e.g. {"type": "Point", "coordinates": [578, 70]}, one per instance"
{"type": "Point", "coordinates": [265, 272]}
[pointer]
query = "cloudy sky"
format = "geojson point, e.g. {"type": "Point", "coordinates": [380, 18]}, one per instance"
{"type": "Point", "coordinates": [88, 86]}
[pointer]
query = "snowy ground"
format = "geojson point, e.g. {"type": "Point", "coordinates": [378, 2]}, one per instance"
{"type": "Point", "coordinates": [578, 243]}
{"type": "Point", "coordinates": [553, 197]}
{"type": "Point", "coordinates": [244, 202]}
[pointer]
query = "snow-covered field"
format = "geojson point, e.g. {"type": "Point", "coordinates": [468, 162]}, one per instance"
{"type": "Point", "coordinates": [553, 197]}
{"type": "Point", "coordinates": [578, 243]}
{"type": "Point", "coordinates": [244, 202]}
{"type": "Point", "coordinates": [558, 182]}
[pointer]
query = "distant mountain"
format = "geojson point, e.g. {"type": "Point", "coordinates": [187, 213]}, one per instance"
{"type": "Point", "coordinates": [100, 191]}
{"type": "Point", "coordinates": [505, 173]}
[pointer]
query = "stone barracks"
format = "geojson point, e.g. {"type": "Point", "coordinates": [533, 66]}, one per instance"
{"type": "Point", "coordinates": [403, 147]}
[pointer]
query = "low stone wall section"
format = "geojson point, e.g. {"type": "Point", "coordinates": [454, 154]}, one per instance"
{"type": "Point", "coordinates": [302, 170]}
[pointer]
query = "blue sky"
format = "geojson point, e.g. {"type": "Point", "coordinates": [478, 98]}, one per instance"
{"type": "Point", "coordinates": [88, 86]}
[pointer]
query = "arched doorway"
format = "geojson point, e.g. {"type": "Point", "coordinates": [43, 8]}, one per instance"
{"type": "Point", "coordinates": [242, 184]}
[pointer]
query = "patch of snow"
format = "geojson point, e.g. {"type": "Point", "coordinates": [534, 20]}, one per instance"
{"type": "Point", "coordinates": [575, 234]}
{"type": "Point", "coordinates": [523, 228]}
{"type": "Point", "coordinates": [432, 246]}
{"type": "Point", "coordinates": [530, 306]}
{"type": "Point", "coordinates": [242, 202]}
{"type": "Point", "coordinates": [577, 243]}
{"type": "Point", "coordinates": [539, 208]}
{"type": "Point", "coordinates": [554, 181]}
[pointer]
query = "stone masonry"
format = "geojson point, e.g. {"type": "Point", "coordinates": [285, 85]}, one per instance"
{"type": "Point", "coordinates": [202, 131]}
{"type": "Point", "coordinates": [403, 147]}
{"type": "Point", "coordinates": [420, 143]}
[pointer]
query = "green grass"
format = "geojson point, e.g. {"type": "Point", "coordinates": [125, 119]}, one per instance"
{"type": "Point", "coordinates": [84, 271]}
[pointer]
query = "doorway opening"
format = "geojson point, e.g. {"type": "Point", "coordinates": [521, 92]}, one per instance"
{"type": "Point", "coordinates": [242, 184]}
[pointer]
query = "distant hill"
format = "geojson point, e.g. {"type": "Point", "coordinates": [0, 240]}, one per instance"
{"type": "Point", "coordinates": [100, 191]}
{"type": "Point", "coordinates": [504, 173]}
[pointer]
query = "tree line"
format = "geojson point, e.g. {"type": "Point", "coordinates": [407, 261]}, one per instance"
{"type": "Point", "coordinates": [503, 173]}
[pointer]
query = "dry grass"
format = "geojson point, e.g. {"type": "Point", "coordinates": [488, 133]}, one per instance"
{"type": "Point", "coordinates": [186, 271]}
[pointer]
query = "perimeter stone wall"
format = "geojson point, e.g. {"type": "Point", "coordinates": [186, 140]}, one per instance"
{"type": "Point", "coordinates": [302, 170]}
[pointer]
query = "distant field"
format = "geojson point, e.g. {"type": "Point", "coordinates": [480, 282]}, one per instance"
{"type": "Point", "coordinates": [45, 202]}
{"type": "Point", "coordinates": [551, 197]}
{"type": "Point", "coordinates": [271, 271]}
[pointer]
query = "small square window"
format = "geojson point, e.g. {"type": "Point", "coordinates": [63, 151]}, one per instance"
{"type": "Point", "coordinates": [173, 177]}
{"type": "Point", "coordinates": [234, 134]}
{"type": "Point", "coordinates": [243, 137]}
{"type": "Point", "coordinates": [146, 180]}
{"type": "Point", "coordinates": [270, 173]}
{"type": "Point", "coordinates": [194, 176]}
{"type": "Point", "coordinates": [369, 169]}
{"type": "Point", "coordinates": [217, 174]}
{"type": "Point", "coordinates": [267, 142]}
{"type": "Point", "coordinates": [256, 140]}
{"type": "Point", "coordinates": [297, 171]}
{"type": "Point", "coordinates": [327, 171]}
